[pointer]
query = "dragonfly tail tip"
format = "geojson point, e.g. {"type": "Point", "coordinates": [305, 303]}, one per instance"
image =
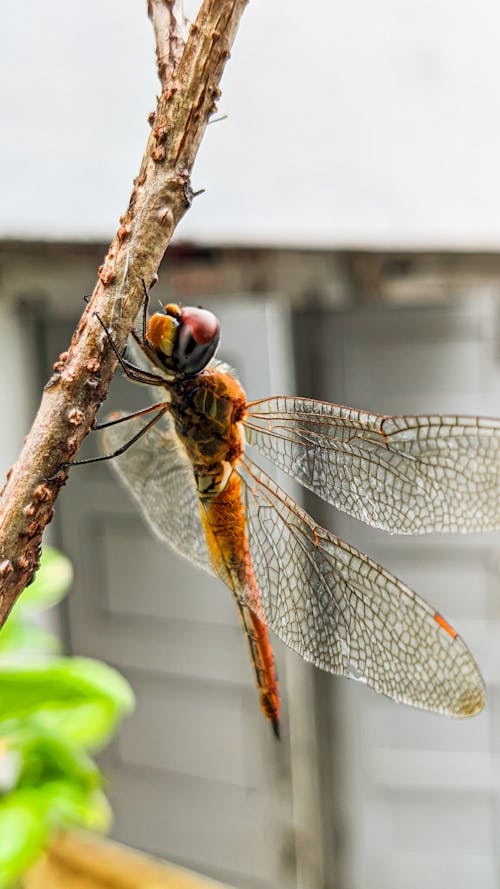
{"type": "Point", "coordinates": [276, 727]}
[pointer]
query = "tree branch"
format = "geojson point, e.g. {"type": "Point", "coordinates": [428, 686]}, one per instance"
{"type": "Point", "coordinates": [190, 69]}
{"type": "Point", "coordinates": [171, 33]}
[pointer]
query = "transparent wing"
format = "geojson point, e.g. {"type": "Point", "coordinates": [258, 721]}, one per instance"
{"type": "Point", "coordinates": [406, 475]}
{"type": "Point", "coordinates": [158, 474]}
{"type": "Point", "coordinates": [346, 614]}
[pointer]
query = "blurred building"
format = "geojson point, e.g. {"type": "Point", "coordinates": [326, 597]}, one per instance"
{"type": "Point", "coordinates": [347, 239]}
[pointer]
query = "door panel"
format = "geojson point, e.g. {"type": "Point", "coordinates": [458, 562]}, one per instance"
{"type": "Point", "coordinates": [416, 795]}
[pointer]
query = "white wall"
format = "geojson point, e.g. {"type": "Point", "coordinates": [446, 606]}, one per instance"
{"type": "Point", "coordinates": [354, 123]}
{"type": "Point", "coordinates": [17, 397]}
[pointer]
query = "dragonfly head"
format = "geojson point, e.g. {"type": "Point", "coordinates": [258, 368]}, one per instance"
{"type": "Point", "coordinates": [184, 339]}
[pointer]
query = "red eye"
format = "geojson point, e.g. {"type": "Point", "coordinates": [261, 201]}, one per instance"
{"type": "Point", "coordinates": [196, 341]}
{"type": "Point", "coordinates": [202, 325]}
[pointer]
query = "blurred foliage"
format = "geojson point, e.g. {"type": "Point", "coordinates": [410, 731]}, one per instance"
{"type": "Point", "coordinates": [54, 711]}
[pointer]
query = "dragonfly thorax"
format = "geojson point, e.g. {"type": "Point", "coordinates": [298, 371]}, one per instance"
{"type": "Point", "coordinates": [207, 411]}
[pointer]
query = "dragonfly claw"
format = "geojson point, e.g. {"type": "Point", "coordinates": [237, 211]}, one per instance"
{"type": "Point", "coordinates": [56, 475]}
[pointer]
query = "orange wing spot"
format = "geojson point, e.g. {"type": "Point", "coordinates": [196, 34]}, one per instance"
{"type": "Point", "coordinates": [445, 625]}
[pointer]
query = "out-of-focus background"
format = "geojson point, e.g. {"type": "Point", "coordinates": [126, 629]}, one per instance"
{"type": "Point", "coordinates": [348, 238]}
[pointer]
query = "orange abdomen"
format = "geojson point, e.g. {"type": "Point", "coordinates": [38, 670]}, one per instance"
{"type": "Point", "coordinates": [208, 415]}
{"type": "Point", "coordinates": [224, 522]}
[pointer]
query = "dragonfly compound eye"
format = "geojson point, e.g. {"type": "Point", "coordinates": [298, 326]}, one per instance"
{"type": "Point", "coordinates": [196, 340]}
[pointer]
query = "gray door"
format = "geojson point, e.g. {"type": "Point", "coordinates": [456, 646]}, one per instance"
{"type": "Point", "coordinates": [413, 798]}
{"type": "Point", "coordinates": [408, 799]}
{"type": "Point", "coordinates": [196, 775]}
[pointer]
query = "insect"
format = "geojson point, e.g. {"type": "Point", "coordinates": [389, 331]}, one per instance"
{"type": "Point", "coordinates": [186, 462]}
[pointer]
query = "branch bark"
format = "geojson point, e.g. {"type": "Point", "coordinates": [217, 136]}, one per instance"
{"type": "Point", "coordinates": [190, 67]}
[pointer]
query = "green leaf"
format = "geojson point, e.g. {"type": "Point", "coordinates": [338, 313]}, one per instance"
{"type": "Point", "coordinates": [47, 756]}
{"type": "Point", "coordinates": [28, 816]}
{"type": "Point", "coordinates": [81, 698]}
{"type": "Point", "coordinates": [19, 637]}
{"type": "Point", "coordinates": [68, 805]}
{"type": "Point", "coordinates": [51, 711]}
{"type": "Point", "coordinates": [23, 833]}
{"type": "Point", "coordinates": [99, 678]}
{"type": "Point", "coordinates": [90, 724]}
{"type": "Point", "coordinates": [52, 582]}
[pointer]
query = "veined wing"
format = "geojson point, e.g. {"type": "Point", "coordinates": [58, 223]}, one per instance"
{"type": "Point", "coordinates": [348, 615]}
{"type": "Point", "coordinates": [158, 474]}
{"type": "Point", "coordinates": [332, 605]}
{"type": "Point", "coordinates": [406, 475]}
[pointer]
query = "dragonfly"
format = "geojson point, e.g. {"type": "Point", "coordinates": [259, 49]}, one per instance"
{"type": "Point", "coordinates": [189, 469]}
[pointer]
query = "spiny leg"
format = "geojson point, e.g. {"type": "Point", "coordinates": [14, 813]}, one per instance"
{"type": "Point", "coordinates": [142, 340]}
{"type": "Point", "coordinates": [137, 374]}
{"type": "Point", "coordinates": [145, 310]}
{"type": "Point", "coordinates": [124, 447]}
{"type": "Point", "coordinates": [139, 413]}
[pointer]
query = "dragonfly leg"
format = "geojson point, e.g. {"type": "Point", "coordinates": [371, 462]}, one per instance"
{"type": "Point", "coordinates": [132, 416]}
{"type": "Point", "coordinates": [142, 339]}
{"type": "Point", "coordinates": [145, 310]}
{"type": "Point", "coordinates": [124, 447]}
{"type": "Point", "coordinates": [130, 370]}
